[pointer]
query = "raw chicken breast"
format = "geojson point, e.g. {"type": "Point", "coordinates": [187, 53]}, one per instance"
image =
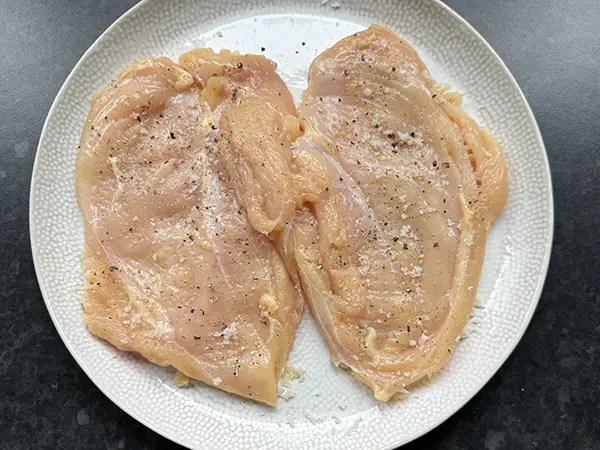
{"type": "Point", "coordinates": [390, 253]}
{"type": "Point", "coordinates": [175, 270]}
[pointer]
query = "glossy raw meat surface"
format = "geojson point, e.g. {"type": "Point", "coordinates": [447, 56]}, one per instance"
{"type": "Point", "coordinates": [255, 140]}
{"type": "Point", "coordinates": [404, 186]}
{"type": "Point", "coordinates": [175, 270]}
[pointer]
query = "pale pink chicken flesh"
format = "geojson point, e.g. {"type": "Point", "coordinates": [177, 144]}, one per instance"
{"type": "Point", "coordinates": [390, 249]}
{"type": "Point", "coordinates": [175, 270]}
{"type": "Point", "coordinates": [199, 216]}
{"type": "Point", "coordinates": [255, 140]}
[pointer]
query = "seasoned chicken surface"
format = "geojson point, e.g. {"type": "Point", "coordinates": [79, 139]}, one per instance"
{"type": "Point", "coordinates": [176, 270]}
{"type": "Point", "coordinates": [390, 251]}
{"type": "Point", "coordinates": [206, 195]}
{"type": "Point", "coordinates": [255, 140]}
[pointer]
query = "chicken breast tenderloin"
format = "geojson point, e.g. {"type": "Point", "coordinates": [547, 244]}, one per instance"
{"type": "Point", "coordinates": [390, 253]}
{"type": "Point", "coordinates": [175, 270]}
{"type": "Point", "coordinates": [256, 139]}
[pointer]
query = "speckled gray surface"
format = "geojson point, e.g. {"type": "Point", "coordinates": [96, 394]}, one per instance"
{"type": "Point", "coordinates": [544, 395]}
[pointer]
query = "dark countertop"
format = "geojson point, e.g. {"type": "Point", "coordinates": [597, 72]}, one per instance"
{"type": "Point", "coordinates": [546, 395]}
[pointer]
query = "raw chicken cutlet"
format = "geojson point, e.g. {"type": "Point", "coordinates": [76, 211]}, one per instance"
{"type": "Point", "coordinates": [390, 253]}
{"type": "Point", "coordinates": [175, 270]}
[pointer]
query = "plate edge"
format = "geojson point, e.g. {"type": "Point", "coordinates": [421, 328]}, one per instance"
{"type": "Point", "coordinates": [470, 395]}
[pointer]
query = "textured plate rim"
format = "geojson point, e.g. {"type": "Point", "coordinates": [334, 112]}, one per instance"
{"type": "Point", "coordinates": [510, 348]}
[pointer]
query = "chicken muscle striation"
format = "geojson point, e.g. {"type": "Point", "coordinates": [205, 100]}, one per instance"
{"type": "Point", "coordinates": [390, 252]}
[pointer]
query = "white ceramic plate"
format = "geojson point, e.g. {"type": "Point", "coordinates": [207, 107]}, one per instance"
{"type": "Point", "coordinates": [330, 409]}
